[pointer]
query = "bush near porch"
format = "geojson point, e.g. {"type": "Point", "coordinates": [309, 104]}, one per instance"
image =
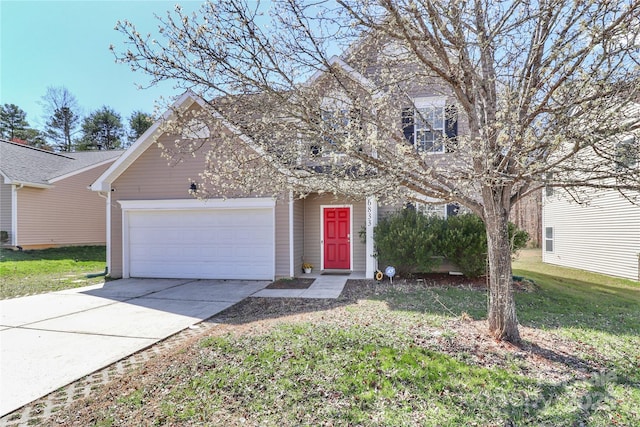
{"type": "Point", "coordinates": [413, 242]}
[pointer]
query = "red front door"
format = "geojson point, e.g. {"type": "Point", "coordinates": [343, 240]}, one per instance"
{"type": "Point", "coordinates": [337, 238]}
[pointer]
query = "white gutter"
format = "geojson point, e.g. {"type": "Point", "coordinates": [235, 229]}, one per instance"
{"type": "Point", "coordinates": [107, 197]}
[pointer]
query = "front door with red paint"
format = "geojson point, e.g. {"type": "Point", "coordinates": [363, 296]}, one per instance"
{"type": "Point", "coordinates": [337, 238]}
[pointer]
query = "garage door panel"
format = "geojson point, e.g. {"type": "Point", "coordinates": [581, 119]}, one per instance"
{"type": "Point", "coordinates": [207, 243]}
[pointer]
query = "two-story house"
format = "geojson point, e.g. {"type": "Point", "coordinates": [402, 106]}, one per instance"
{"type": "Point", "coordinates": [158, 228]}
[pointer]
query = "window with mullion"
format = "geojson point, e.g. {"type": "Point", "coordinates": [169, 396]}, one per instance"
{"type": "Point", "coordinates": [429, 127]}
{"type": "Point", "coordinates": [334, 125]}
{"type": "Point", "coordinates": [627, 154]}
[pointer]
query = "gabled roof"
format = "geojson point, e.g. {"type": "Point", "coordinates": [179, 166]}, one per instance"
{"type": "Point", "coordinates": [185, 101]}
{"type": "Point", "coordinates": [141, 144]}
{"type": "Point", "coordinates": [350, 71]}
{"type": "Point", "coordinates": [33, 167]}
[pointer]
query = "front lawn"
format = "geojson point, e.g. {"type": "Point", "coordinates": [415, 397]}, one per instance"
{"type": "Point", "coordinates": [397, 355]}
{"type": "Point", "coordinates": [46, 270]}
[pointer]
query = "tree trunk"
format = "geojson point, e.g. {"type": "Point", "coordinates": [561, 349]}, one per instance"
{"type": "Point", "coordinates": [503, 322]}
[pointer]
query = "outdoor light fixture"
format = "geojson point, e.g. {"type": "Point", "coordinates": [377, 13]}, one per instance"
{"type": "Point", "coordinates": [193, 186]}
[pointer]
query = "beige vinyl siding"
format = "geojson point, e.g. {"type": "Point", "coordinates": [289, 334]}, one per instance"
{"type": "Point", "coordinates": [298, 235]}
{"type": "Point", "coordinates": [387, 209]}
{"type": "Point", "coordinates": [312, 238]}
{"type": "Point", "coordinates": [151, 177]}
{"type": "Point", "coordinates": [603, 237]}
{"type": "Point", "coordinates": [5, 207]}
{"type": "Point", "coordinates": [67, 214]}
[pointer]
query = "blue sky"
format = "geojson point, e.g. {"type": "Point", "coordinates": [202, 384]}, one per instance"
{"type": "Point", "coordinates": [66, 43]}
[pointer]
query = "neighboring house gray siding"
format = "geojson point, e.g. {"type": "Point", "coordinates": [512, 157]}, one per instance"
{"type": "Point", "coordinates": [5, 207]}
{"type": "Point", "coordinates": [603, 236]}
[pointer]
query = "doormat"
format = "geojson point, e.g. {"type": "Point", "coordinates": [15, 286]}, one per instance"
{"type": "Point", "coordinates": [336, 273]}
{"type": "Point", "coordinates": [294, 283]}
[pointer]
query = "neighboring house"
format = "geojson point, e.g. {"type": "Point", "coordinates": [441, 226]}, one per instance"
{"type": "Point", "coordinates": [45, 199]}
{"type": "Point", "coordinates": [157, 228]}
{"type": "Point", "coordinates": [602, 235]}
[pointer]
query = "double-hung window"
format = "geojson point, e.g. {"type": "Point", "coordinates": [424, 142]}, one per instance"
{"type": "Point", "coordinates": [627, 154]}
{"type": "Point", "coordinates": [548, 239]}
{"type": "Point", "coordinates": [431, 126]}
{"type": "Point", "coordinates": [429, 129]}
{"type": "Point", "coordinates": [336, 126]}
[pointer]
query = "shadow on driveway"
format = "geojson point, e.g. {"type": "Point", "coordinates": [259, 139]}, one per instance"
{"type": "Point", "coordinates": [50, 340]}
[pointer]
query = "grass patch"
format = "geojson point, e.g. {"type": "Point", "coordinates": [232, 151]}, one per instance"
{"type": "Point", "coordinates": [46, 270]}
{"type": "Point", "coordinates": [319, 375]}
{"type": "Point", "coordinates": [586, 307]}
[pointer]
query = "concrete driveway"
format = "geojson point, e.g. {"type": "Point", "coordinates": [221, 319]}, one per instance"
{"type": "Point", "coordinates": [50, 340]}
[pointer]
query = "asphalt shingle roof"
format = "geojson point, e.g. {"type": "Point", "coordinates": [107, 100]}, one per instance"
{"type": "Point", "coordinates": [30, 165]}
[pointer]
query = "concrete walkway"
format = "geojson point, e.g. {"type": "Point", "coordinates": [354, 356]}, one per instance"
{"type": "Point", "coordinates": [48, 341]}
{"type": "Point", "coordinates": [324, 286]}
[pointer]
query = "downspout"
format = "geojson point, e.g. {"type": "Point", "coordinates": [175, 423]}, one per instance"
{"type": "Point", "coordinates": [107, 197]}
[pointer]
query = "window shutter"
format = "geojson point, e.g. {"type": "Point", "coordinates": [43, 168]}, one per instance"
{"type": "Point", "coordinates": [451, 127]}
{"type": "Point", "coordinates": [408, 124]}
{"type": "Point", "coordinates": [452, 209]}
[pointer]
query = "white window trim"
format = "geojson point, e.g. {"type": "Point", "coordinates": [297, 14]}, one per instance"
{"type": "Point", "coordinates": [443, 207]}
{"type": "Point", "coordinates": [423, 103]}
{"type": "Point", "coordinates": [552, 239]}
{"type": "Point", "coordinates": [332, 153]}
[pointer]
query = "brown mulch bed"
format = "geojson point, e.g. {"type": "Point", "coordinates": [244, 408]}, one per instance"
{"type": "Point", "coordinates": [294, 283]}
{"type": "Point", "coordinates": [458, 281]}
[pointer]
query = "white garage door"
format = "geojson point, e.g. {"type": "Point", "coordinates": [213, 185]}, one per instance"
{"type": "Point", "coordinates": [201, 243]}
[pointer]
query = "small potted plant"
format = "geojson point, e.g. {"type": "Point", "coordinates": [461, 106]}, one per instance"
{"type": "Point", "coordinates": [307, 267]}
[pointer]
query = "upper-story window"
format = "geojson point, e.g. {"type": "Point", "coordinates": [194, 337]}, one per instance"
{"type": "Point", "coordinates": [431, 126]}
{"type": "Point", "coordinates": [627, 153]}
{"type": "Point", "coordinates": [336, 126]}
{"type": "Point", "coordinates": [429, 129]}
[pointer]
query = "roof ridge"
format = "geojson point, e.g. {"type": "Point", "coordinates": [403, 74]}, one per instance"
{"type": "Point", "coordinates": [36, 149]}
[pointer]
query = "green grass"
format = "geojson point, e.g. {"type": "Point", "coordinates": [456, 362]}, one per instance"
{"type": "Point", "coordinates": [404, 355]}
{"type": "Point", "coordinates": [46, 270]}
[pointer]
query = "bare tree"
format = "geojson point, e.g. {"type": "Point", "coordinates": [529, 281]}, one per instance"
{"type": "Point", "coordinates": [526, 94]}
{"type": "Point", "coordinates": [63, 116]}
